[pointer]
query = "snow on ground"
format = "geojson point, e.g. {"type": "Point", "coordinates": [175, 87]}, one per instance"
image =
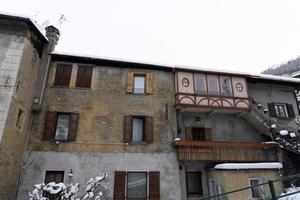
{"type": "Point", "coordinates": [293, 196]}
{"type": "Point", "coordinates": [270, 165]}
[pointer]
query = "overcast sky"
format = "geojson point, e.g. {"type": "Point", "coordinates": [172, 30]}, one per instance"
{"type": "Point", "coordinates": [222, 34]}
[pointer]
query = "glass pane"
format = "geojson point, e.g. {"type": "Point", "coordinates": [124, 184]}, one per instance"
{"type": "Point", "coordinates": [213, 85]}
{"type": "Point", "coordinates": [139, 84]}
{"type": "Point", "coordinates": [281, 110]}
{"type": "Point", "coordinates": [62, 127]}
{"type": "Point", "coordinates": [138, 130]}
{"type": "Point", "coordinates": [200, 84]}
{"type": "Point", "coordinates": [194, 183]}
{"type": "Point", "coordinates": [255, 191]}
{"type": "Point", "coordinates": [136, 185]}
{"type": "Point", "coordinates": [225, 86]}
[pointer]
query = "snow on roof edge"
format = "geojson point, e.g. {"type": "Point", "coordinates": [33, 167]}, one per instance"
{"type": "Point", "coordinates": [109, 58]}
{"type": "Point", "coordinates": [270, 165]}
{"type": "Point", "coordinates": [25, 17]}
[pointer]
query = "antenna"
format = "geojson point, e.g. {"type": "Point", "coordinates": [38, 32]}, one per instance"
{"type": "Point", "coordinates": [62, 18]}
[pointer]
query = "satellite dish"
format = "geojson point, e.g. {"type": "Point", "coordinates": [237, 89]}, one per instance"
{"type": "Point", "coordinates": [297, 119]}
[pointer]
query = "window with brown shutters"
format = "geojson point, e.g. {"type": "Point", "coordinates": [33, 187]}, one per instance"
{"type": "Point", "coordinates": [272, 111]}
{"type": "Point", "coordinates": [154, 185]}
{"type": "Point", "coordinates": [281, 110]}
{"type": "Point", "coordinates": [144, 190]}
{"type": "Point", "coordinates": [62, 75]}
{"type": "Point", "coordinates": [139, 83]}
{"type": "Point", "coordinates": [119, 185]}
{"type": "Point", "coordinates": [138, 129]}
{"type": "Point", "coordinates": [198, 134]}
{"type": "Point", "coordinates": [84, 76]}
{"type": "Point", "coordinates": [61, 126]}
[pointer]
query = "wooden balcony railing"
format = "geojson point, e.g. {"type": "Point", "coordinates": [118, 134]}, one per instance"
{"type": "Point", "coordinates": [225, 151]}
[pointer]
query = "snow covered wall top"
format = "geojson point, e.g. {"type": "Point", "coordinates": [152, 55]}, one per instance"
{"type": "Point", "coordinates": [270, 165]}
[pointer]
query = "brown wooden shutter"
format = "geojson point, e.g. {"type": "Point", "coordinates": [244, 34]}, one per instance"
{"type": "Point", "coordinates": [208, 134]}
{"type": "Point", "coordinates": [84, 76]}
{"type": "Point", "coordinates": [149, 130]}
{"type": "Point", "coordinates": [154, 186]}
{"type": "Point", "coordinates": [119, 185]}
{"type": "Point", "coordinates": [149, 83]}
{"type": "Point", "coordinates": [290, 110]}
{"type": "Point", "coordinates": [74, 119]}
{"type": "Point", "coordinates": [63, 75]}
{"type": "Point", "coordinates": [272, 111]}
{"type": "Point", "coordinates": [188, 134]}
{"type": "Point", "coordinates": [130, 82]}
{"type": "Point", "coordinates": [127, 129]}
{"type": "Point", "coordinates": [50, 125]}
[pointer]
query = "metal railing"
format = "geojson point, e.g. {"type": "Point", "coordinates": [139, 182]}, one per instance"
{"type": "Point", "coordinates": [273, 195]}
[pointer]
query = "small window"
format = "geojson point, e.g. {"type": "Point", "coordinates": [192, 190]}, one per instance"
{"type": "Point", "coordinates": [200, 84]}
{"type": "Point", "coordinates": [139, 84]}
{"type": "Point", "coordinates": [194, 183]}
{"type": "Point", "coordinates": [54, 176]}
{"type": "Point", "coordinates": [84, 76]}
{"type": "Point", "coordinates": [138, 129]}
{"type": "Point", "coordinates": [281, 110]}
{"type": "Point", "coordinates": [62, 127]}
{"type": "Point", "coordinates": [63, 75]}
{"type": "Point", "coordinates": [137, 185]}
{"type": "Point", "coordinates": [225, 86]}
{"type": "Point", "coordinates": [198, 134]}
{"type": "Point", "coordinates": [256, 192]}
{"type": "Point", "coordinates": [19, 121]}
{"type": "Point", "coordinates": [213, 85]}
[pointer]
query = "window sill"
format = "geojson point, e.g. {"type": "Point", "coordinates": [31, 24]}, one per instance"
{"type": "Point", "coordinates": [63, 87]}
{"type": "Point", "coordinates": [82, 88]}
{"type": "Point", "coordinates": [285, 118]}
{"type": "Point", "coordinates": [138, 143]}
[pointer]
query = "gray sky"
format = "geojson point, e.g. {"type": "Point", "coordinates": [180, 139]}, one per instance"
{"type": "Point", "coordinates": [222, 34]}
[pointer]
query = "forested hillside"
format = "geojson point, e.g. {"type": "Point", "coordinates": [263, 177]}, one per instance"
{"type": "Point", "coordinates": [285, 69]}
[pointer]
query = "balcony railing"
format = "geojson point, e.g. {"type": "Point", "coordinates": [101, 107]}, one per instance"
{"type": "Point", "coordinates": [225, 151]}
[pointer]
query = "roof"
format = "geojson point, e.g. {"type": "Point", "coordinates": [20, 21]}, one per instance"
{"type": "Point", "coordinates": [33, 24]}
{"type": "Point", "coordinates": [90, 59]}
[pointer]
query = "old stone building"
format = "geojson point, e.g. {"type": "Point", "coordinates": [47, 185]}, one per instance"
{"type": "Point", "coordinates": [23, 49]}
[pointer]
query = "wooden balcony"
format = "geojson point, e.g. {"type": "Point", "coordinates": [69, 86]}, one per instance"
{"type": "Point", "coordinates": [225, 151]}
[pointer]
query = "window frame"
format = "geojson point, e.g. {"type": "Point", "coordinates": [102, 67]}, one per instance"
{"type": "Point", "coordinates": [278, 113]}
{"type": "Point", "coordinates": [200, 193]}
{"type": "Point", "coordinates": [57, 116]}
{"type": "Point", "coordinates": [205, 91]}
{"type": "Point", "coordinates": [62, 171]}
{"type": "Point", "coordinates": [260, 188]}
{"type": "Point", "coordinates": [147, 185]}
{"type": "Point", "coordinates": [144, 129]}
{"type": "Point", "coordinates": [144, 77]}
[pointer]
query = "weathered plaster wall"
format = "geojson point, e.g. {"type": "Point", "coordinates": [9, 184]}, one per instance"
{"type": "Point", "coordinates": [87, 165]}
{"type": "Point", "coordinates": [225, 127]}
{"type": "Point", "coordinates": [102, 109]}
{"type": "Point", "coordinates": [235, 179]}
{"type": "Point", "coordinates": [18, 66]}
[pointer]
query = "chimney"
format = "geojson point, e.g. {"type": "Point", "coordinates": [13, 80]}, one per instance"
{"type": "Point", "coordinates": [52, 33]}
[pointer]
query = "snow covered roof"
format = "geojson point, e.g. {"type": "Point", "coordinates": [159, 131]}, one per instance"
{"type": "Point", "coordinates": [26, 19]}
{"type": "Point", "coordinates": [267, 165]}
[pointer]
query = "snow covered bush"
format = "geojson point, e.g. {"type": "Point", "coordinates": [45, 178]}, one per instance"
{"type": "Point", "coordinates": [289, 191]}
{"type": "Point", "coordinates": [60, 191]}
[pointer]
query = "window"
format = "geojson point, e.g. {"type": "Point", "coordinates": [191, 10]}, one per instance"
{"type": "Point", "coordinates": [138, 129]}
{"type": "Point", "coordinates": [194, 183]}
{"type": "Point", "coordinates": [139, 84]}
{"type": "Point", "coordinates": [213, 85]}
{"type": "Point", "coordinates": [255, 192]}
{"type": "Point", "coordinates": [63, 75]}
{"type": "Point", "coordinates": [53, 176]}
{"type": "Point", "coordinates": [281, 110]}
{"type": "Point", "coordinates": [225, 86]}
{"type": "Point", "coordinates": [84, 76]}
{"type": "Point", "coordinates": [200, 84]}
{"type": "Point", "coordinates": [137, 185]}
{"type": "Point", "coordinates": [61, 126]}
{"type": "Point", "coordinates": [19, 121]}
{"type": "Point", "coordinates": [198, 134]}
